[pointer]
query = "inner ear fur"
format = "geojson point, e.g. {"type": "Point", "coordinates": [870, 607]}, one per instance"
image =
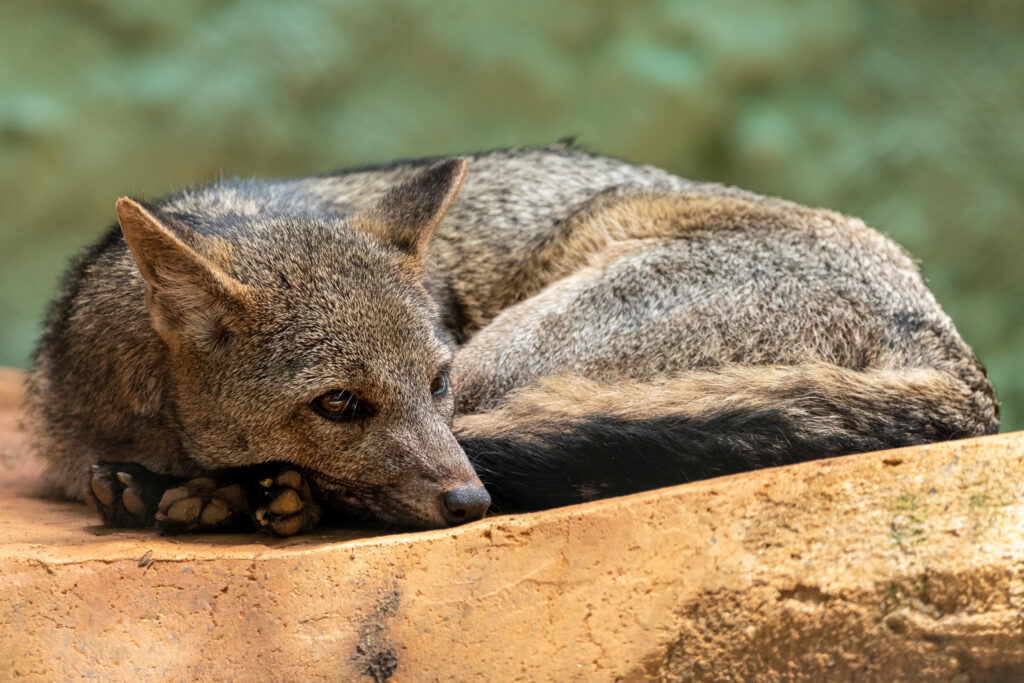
{"type": "Point", "coordinates": [187, 294]}
{"type": "Point", "coordinates": [406, 217]}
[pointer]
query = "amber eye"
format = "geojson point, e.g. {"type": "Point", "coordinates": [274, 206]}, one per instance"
{"type": "Point", "coordinates": [440, 385]}
{"type": "Point", "coordinates": [340, 405]}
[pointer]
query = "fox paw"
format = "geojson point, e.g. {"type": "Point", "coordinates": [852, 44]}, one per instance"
{"type": "Point", "coordinates": [125, 494]}
{"type": "Point", "coordinates": [285, 506]}
{"type": "Point", "coordinates": [201, 504]}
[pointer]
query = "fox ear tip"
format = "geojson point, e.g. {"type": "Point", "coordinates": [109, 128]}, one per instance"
{"type": "Point", "coordinates": [127, 205]}
{"type": "Point", "coordinates": [456, 168]}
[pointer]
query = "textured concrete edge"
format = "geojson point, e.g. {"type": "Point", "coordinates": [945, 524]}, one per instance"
{"type": "Point", "coordinates": [903, 565]}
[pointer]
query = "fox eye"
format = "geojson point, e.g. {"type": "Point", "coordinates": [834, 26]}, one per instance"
{"type": "Point", "coordinates": [340, 405]}
{"type": "Point", "coordinates": [440, 385]}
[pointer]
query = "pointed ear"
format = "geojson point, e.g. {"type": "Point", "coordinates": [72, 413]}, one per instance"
{"type": "Point", "coordinates": [189, 296]}
{"type": "Point", "coordinates": [407, 215]}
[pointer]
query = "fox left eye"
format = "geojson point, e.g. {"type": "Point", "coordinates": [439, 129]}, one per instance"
{"type": "Point", "coordinates": [340, 405]}
{"type": "Point", "coordinates": [440, 385]}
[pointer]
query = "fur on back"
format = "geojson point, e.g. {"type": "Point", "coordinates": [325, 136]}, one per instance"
{"type": "Point", "coordinates": [588, 302]}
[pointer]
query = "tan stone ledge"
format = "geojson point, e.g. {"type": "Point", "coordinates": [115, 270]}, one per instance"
{"type": "Point", "coordinates": [902, 565]}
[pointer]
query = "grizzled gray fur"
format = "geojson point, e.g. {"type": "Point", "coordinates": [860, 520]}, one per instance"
{"type": "Point", "coordinates": [555, 325]}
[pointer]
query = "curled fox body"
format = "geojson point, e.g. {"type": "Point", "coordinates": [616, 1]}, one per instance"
{"type": "Point", "coordinates": [552, 325]}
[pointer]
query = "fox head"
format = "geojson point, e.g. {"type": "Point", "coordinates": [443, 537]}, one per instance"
{"type": "Point", "coordinates": [310, 339]}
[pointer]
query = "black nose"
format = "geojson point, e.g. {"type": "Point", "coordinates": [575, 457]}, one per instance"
{"type": "Point", "coordinates": [464, 504]}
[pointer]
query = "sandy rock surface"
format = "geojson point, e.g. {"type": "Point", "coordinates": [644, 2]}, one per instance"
{"type": "Point", "coordinates": [899, 566]}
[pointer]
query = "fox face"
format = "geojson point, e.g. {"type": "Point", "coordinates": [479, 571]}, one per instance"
{"type": "Point", "coordinates": [312, 341]}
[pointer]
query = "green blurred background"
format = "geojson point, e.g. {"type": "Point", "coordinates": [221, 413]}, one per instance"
{"type": "Point", "coordinates": [909, 114]}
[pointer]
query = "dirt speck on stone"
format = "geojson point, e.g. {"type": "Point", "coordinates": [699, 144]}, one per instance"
{"type": "Point", "coordinates": [375, 654]}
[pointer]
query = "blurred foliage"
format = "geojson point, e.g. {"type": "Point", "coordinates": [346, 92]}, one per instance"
{"type": "Point", "coordinates": [909, 114]}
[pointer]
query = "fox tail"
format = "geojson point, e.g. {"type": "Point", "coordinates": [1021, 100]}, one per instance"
{"type": "Point", "coordinates": [565, 440]}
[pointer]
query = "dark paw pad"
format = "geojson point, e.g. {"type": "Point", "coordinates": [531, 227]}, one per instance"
{"type": "Point", "coordinates": [285, 506]}
{"type": "Point", "coordinates": [202, 505]}
{"type": "Point", "coordinates": [125, 493]}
